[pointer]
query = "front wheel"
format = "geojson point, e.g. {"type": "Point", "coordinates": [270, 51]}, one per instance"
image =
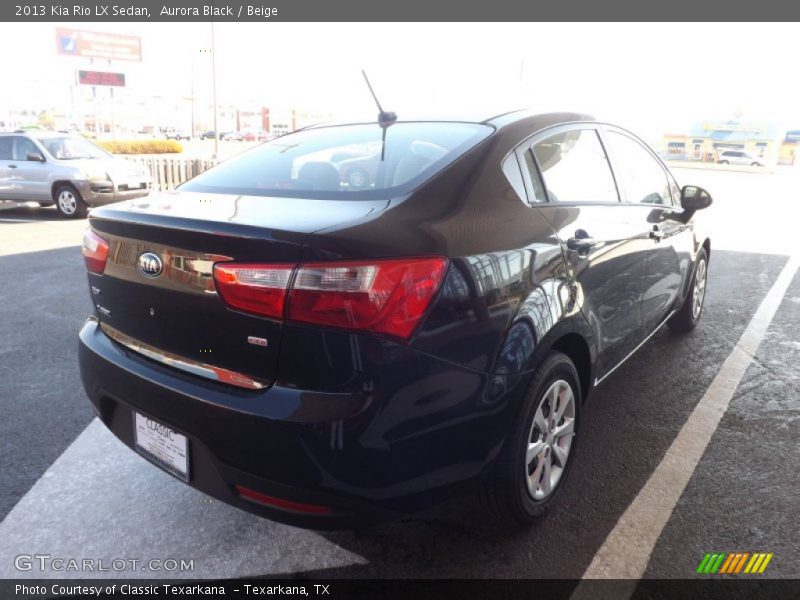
{"type": "Point", "coordinates": [535, 459]}
{"type": "Point", "coordinates": [689, 313]}
{"type": "Point", "coordinates": [724, 162]}
{"type": "Point", "coordinates": [69, 202]}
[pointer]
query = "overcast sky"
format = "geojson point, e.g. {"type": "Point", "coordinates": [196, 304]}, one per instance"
{"type": "Point", "coordinates": [652, 78]}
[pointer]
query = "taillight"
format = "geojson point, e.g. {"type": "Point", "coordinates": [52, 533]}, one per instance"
{"type": "Point", "coordinates": [254, 288]}
{"type": "Point", "coordinates": [95, 252]}
{"type": "Point", "coordinates": [383, 296]}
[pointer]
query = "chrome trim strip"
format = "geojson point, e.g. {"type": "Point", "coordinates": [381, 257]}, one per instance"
{"type": "Point", "coordinates": [632, 352]}
{"type": "Point", "coordinates": [182, 270]}
{"type": "Point", "coordinates": [184, 364]}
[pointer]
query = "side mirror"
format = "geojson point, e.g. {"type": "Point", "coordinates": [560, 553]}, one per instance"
{"type": "Point", "coordinates": [694, 198]}
{"type": "Point", "coordinates": [35, 156]}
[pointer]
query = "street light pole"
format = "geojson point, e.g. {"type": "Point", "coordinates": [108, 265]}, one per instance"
{"type": "Point", "coordinates": [191, 131]}
{"type": "Point", "coordinates": [214, 90]}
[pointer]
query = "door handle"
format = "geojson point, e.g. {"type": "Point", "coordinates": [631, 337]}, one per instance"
{"type": "Point", "coordinates": [581, 243]}
{"type": "Point", "coordinates": [12, 166]}
{"type": "Point", "coordinates": [656, 233]}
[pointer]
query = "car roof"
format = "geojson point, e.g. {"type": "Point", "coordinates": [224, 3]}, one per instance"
{"type": "Point", "coordinates": [497, 119]}
{"type": "Point", "coordinates": [39, 133]}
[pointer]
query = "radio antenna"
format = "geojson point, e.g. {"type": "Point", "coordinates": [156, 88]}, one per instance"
{"type": "Point", "coordinates": [385, 118]}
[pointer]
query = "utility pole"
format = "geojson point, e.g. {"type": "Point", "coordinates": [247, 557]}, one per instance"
{"type": "Point", "coordinates": [191, 131]}
{"type": "Point", "coordinates": [214, 90]}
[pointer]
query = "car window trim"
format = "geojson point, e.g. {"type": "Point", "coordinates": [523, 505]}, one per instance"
{"type": "Point", "coordinates": [528, 144]}
{"type": "Point", "coordinates": [512, 158]}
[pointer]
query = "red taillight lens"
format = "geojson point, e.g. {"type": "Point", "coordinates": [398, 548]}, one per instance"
{"type": "Point", "coordinates": [384, 296]}
{"type": "Point", "coordinates": [95, 252]}
{"type": "Point", "coordinates": [254, 288]}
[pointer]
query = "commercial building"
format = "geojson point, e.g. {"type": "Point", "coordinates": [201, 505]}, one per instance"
{"type": "Point", "coordinates": [707, 139]}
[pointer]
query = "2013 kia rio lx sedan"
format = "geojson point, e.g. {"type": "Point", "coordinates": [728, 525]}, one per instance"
{"type": "Point", "coordinates": [328, 356]}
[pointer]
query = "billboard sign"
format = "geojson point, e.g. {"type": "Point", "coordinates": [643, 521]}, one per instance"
{"type": "Point", "coordinates": [91, 44]}
{"type": "Point", "coordinates": [101, 78]}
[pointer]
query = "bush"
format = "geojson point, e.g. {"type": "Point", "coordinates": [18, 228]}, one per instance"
{"type": "Point", "coordinates": [141, 146]}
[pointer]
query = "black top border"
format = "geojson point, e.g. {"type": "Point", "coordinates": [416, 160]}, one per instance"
{"type": "Point", "coordinates": [63, 11]}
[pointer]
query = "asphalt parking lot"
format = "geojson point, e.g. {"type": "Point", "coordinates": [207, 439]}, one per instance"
{"type": "Point", "coordinates": [69, 489]}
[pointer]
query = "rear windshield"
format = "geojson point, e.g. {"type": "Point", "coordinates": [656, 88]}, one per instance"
{"type": "Point", "coordinates": [352, 161]}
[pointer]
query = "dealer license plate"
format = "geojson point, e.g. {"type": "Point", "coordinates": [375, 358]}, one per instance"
{"type": "Point", "coordinates": [161, 445]}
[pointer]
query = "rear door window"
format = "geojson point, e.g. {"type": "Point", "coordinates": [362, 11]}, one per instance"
{"type": "Point", "coordinates": [534, 177]}
{"type": "Point", "coordinates": [350, 161]}
{"type": "Point", "coordinates": [575, 168]}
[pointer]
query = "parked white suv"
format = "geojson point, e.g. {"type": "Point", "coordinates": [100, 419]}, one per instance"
{"type": "Point", "coordinates": [740, 157]}
{"type": "Point", "coordinates": [67, 170]}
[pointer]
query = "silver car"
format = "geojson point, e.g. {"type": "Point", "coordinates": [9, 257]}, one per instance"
{"type": "Point", "coordinates": [66, 170]}
{"type": "Point", "coordinates": [740, 157]}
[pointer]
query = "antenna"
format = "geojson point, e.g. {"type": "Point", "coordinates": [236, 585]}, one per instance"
{"type": "Point", "coordinates": [385, 118]}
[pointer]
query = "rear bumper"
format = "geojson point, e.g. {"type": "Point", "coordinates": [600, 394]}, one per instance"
{"type": "Point", "coordinates": [96, 194]}
{"type": "Point", "coordinates": [367, 456]}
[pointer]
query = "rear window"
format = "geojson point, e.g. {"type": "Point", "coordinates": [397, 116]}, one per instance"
{"type": "Point", "coordinates": [352, 161]}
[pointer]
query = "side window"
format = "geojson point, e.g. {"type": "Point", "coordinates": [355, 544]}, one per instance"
{"type": "Point", "coordinates": [575, 168]}
{"type": "Point", "coordinates": [22, 146]}
{"type": "Point", "coordinates": [643, 178]}
{"type": "Point", "coordinates": [5, 147]}
{"type": "Point", "coordinates": [539, 194]}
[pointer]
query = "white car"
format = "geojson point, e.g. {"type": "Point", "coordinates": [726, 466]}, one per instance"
{"type": "Point", "coordinates": [740, 157]}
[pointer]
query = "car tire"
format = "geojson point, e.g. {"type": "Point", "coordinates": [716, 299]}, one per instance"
{"type": "Point", "coordinates": [755, 164]}
{"type": "Point", "coordinates": [689, 313]}
{"type": "Point", "coordinates": [518, 490]}
{"type": "Point", "coordinates": [724, 162]}
{"type": "Point", "coordinates": [69, 202]}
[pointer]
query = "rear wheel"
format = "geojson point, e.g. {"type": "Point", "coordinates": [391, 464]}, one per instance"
{"type": "Point", "coordinates": [689, 313]}
{"type": "Point", "coordinates": [69, 202]}
{"type": "Point", "coordinates": [724, 162]}
{"type": "Point", "coordinates": [536, 458]}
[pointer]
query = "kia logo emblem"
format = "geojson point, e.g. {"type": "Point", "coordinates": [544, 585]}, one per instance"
{"type": "Point", "coordinates": [150, 265]}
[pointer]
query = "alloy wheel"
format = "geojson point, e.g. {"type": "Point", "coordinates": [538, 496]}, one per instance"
{"type": "Point", "coordinates": [699, 293]}
{"type": "Point", "coordinates": [67, 202]}
{"type": "Point", "coordinates": [550, 440]}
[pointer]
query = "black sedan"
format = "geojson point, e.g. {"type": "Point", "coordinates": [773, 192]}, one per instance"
{"type": "Point", "coordinates": [328, 355]}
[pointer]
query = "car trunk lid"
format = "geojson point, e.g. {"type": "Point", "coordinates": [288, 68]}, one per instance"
{"type": "Point", "coordinates": [157, 294]}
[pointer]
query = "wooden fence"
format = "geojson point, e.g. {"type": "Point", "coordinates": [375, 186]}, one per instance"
{"type": "Point", "coordinates": [168, 172]}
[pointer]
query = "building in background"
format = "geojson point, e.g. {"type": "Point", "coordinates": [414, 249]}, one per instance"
{"type": "Point", "coordinates": [706, 140]}
{"type": "Point", "coordinates": [790, 148]}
